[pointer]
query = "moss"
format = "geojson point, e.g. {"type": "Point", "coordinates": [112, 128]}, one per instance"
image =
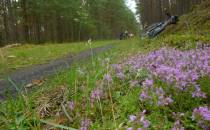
{"type": "Point", "coordinates": [197, 21]}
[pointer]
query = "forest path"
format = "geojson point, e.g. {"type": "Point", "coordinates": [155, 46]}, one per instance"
{"type": "Point", "coordinates": [37, 72]}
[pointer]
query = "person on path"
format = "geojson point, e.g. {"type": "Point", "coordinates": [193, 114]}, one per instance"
{"type": "Point", "coordinates": [121, 36]}
{"type": "Point", "coordinates": [126, 34]}
{"type": "Point", "coordinates": [167, 13]}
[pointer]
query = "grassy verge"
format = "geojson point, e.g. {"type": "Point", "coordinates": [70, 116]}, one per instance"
{"type": "Point", "coordinates": [197, 21]}
{"type": "Point", "coordinates": [49, 105]}
{"type": "Point", "coordinates": [72, 81]}
{"type": "Point", "coordinates": [27, 55]}
{"type": "Point", "coordinates": [77, 85]}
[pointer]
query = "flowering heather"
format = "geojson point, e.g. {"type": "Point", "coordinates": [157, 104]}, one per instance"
{"type": "Point", "coordinates": [108, 77]}
{"type": "Point", "coordinates": [117, 68]}
{"type": "Point", "coordinates": [139, 120]}
{"type": "Point", "coordinates": [162, 99]}
{"type": "Point", "coordinates": [150, 93]}
{"type": "Point", "coordinates": [144, 96]}
{"type": "Point", "coordinates": [202, 115]}
{"type": "Point", "coordinates": [178, 126]}
{"type": "Point", "coordinates": [198, 93]}
{"type": "Point", "coordinates": [130, 128]}
{"type": "Point", "coordinates": [202, 112]}
{"type": "Point", "coordinates": [178, 68]}
{"type": "Point", "coordinates": [171, 78]}
{"type": "Point", "coordinates": [132, 118]}
{"type": "Point", "coordinates": [120, 75]}
{"type": "Point", "coordinates": [95, 95]}
{"type": "Point", "coordinates": [148, 83]}
{"type": "Point", "coordinates": [85, 124]}
{"type": "Point", "coordinates": [71, 105]}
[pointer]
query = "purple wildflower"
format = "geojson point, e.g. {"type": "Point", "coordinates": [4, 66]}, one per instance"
{"type": "Point", "coordinates": [164, 101]}
{"type": "Point", "coordinates": [203, 125]}
{"type": "Point", "coordinates": [179, 68]}
{"type": "Point", "coordinates": [140, 120]}
{"type": "Point", "coordinates": [148, 83]}
{"type": "Point", "coordinates": [144, 96]}
{"type": "Point", "coordinates": [71, 105]}
{"type": "Point", "coordinates": [146, 124]}
{"type": "Point", "coordinates": [85, 124]}
{"type": "Point", "coordinates": [108, 77]}
{"type": "Point", "coordinates": [178, 126]}
{"type": "Point", "coordinates": [202, 112]}
{"type": "Point", "coordinates": [95, 95]}
{"type": "Point", "coordinates": [198, 93]}
{"type": "Point", "coordinates": [132, 118]}
{"type": "Point", "coordinates": [117, 68]}
{"type": "Point", "coordinates": [83, 128]}
{"type": "Point", "coordinates": [121, 75]}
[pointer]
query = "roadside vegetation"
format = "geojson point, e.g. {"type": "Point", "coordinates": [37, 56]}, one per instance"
{"type": "Point", "coordinates": [26, 55]}
{"type": "Point", "coordinates": [196, 22]}
{"type": "Point", "coordinates": [100, 94]}
{"type": "Point", "coordinates": [140, 84]}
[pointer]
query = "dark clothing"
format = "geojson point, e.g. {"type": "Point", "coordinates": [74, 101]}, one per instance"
{"type": "Point", "coordinates": [121, 36]}
{"type": "Point", "coordinates": [167, 14]}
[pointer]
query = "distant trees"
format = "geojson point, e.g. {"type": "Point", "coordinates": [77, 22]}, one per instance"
{"type": "Point", "coordinates": [152, 11]}
{"type": "Point", "coordinates": [39, 21]}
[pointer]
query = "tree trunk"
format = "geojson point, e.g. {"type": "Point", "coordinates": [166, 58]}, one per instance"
{"type": "Point", "coordinates": [25, 21]}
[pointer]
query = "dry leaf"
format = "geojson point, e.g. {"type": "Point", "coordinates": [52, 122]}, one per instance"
{"type": "Point", "coordinates": [35, 83]}
{"type": "Point", "coordinates": [38, 82]}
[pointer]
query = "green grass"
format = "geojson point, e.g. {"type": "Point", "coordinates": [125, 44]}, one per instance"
{"type": "Point", "coordinates": [182, 41]}
{"type": "Point", "coordinates": [22, 112]}
{"type": "Point", "coordinates": [197, 22]}
{"type": "Point", "coordinates": [27, 55]}
{"type": "Point", "coordinates": [77, 83]}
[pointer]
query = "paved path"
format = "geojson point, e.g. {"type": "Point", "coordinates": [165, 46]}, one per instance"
{"type": "Point", "coordinates": [25, 76]}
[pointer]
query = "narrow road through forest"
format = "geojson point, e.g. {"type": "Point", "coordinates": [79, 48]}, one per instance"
{"type": "Point", "coordinates": [25, 76]}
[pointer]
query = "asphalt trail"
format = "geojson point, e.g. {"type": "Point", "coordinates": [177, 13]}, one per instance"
{"type": "Point", "coordinates": [25, 76]}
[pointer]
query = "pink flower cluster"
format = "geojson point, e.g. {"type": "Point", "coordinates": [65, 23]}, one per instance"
{"type": "Point", "coordinates": [95, 96]}
{"type": "Point", "coordinates": [150, 92]}
{"type": "Point", "coordinates": [202, 112]}
{"type": "Point", "coordinates": [139, 120]}
{"type": "Point", "coordinates": [177, 68]}
{"type": "Point", "coordinates": [202, 115]}
{"type": "Point", "coordinates": [85, 124]}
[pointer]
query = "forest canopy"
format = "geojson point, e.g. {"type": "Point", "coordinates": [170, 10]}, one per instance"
{"type": "Point", "coordinates": [39, 21]}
